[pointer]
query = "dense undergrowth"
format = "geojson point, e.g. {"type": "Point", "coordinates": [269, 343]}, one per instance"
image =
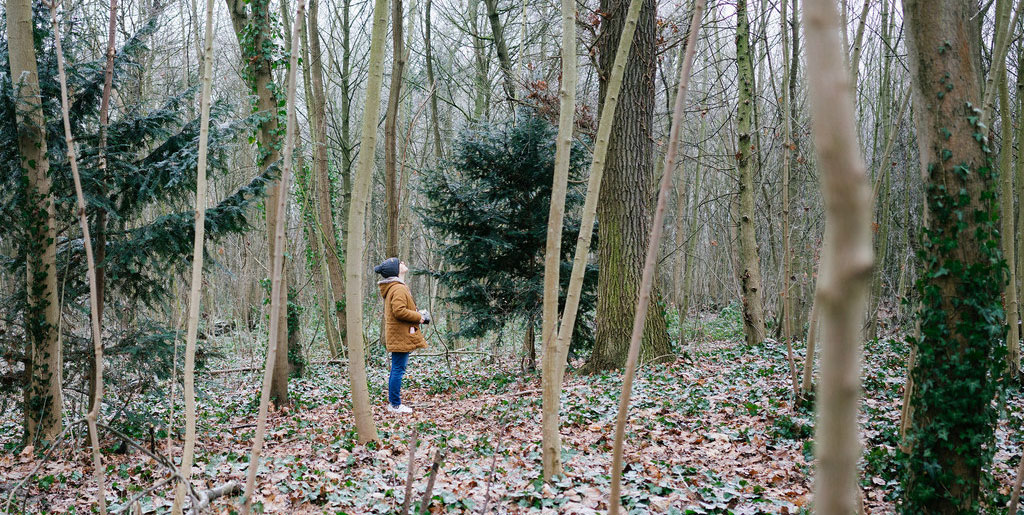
{"type": "Point", "coordinates": [714, 432]}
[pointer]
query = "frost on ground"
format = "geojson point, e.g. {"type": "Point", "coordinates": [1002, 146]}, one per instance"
{"type": "Point", "coordinates": [713, 432]}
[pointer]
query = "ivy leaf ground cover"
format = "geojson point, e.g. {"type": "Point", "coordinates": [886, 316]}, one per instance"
{"type": "Point", "coordinates": [713, 432]}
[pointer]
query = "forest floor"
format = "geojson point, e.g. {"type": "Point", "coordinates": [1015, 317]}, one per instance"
{"type": "Point", "coordinates": [713, 432]}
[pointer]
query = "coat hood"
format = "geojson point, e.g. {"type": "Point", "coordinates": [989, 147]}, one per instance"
{"type": "Point", "coordinates": [387, 284]}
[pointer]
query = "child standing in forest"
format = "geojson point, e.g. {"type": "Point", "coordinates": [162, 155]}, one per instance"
{"type": "Point", "coordinates": [402, 321]}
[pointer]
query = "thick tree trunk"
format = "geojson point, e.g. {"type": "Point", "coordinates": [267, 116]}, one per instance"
{"type": "Point", "coordinates": [962, 277]}
{"type": "Point", "coordinates": [650, 261]}
{"type": "Point", "coordinates": [253, 30]}
{"type": "Point", "coordinates": [354, 265]}
{"type": "Point", "coordinates": [844, 279]}
{"type": "Point", "coordinates": [746, 157]}
{"type": "Point", "coordinates": [44, 400]}
{"type": "Point", "coordinates": [627, 191]}
{"type": "Point", "coordinates": [1014, 361]}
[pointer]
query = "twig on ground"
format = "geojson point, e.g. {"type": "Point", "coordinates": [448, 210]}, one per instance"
{"type": "Point", "coordinates": [134, 500]}
{"type": "Point", "coordinates": [490, 476]}
{"type": "Point", "coordinates": [46, 457]}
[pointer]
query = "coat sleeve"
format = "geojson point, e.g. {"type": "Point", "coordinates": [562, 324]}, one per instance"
{"type": "Point", "coordinates": [403, 309]}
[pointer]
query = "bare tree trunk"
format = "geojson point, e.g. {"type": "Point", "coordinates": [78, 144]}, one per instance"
{"type": "Point", "coordinates": [354, 264]}
{"type": "Point", "coordinates": [552, 443]}
{"type": "Point", "coordinates": [1007, 230]}
{"type": "Point", "coordinates": [253, 30]}
{"type": "Point", "coordinates": [278, 302]}
{"type": "Point", "coordinates": [44, 400]}
{"type": "Point", "coordinates": [750, 268]}
{"type": "Point", "coordinates": [627, 190]}
{"type": "Point", "coordinates": [96, 398]}
{"type": "Point", "coordinates": [101, 215]}
{"type": "Point", "coordinates": [812, 336]}
{"type": "Point", "coordinates": [787, 256]}
{"type": "Point", "coordinates": [650, 261]}
{"type": "Point", "coordinates": [1014, 361]}
{"type": "Point", "coordinates": [326, 225]}
{"type": "Point", "coordinates": [844, 278]}
{"type": "Point", "coordinates": [498, 33]}
{"type": "Point", "coordinates": [195, 294]}
{"type": "Point", "coordinates": [392, 196]}
{"type": "Point", "coordinates": [435, 126]}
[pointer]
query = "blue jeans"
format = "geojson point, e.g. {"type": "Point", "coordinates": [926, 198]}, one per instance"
{"type": "Point", "coordinates": [398, 362]}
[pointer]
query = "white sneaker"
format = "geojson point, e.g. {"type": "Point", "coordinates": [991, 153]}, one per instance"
{"type": "Point", "coordinates": [400, 409]}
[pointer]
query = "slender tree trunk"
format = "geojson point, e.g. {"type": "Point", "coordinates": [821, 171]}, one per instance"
{"type": "Point", "coordinates": [346, 136]}
{"type": "Point", "coordinates": [1007, 230]}
{"type": "Point", "coordinates": [278, 302]}
{"type": "Point", "coordinates": [650, 260]}
{"type": "Point", "coordinates": [434, 124]}
{"type": "Point", "coordinates": [551, 446]}
{"type": "Point", "coordinates": [195, 294]}
{"type": "Point", "coordinates": [96, 400]}
{"type": "Point", "coordinates": [844, 278]}
{"type": "Point", "coordinates": [746, 152]}
{"type": "Point", "coordinates": [498, 33]}
{"type": "Point", "coordinates": [392, 196]}
{"type": "Point", "coordinates": [253, 30]}
{"type": "Point", "coordinates": [101, 215]}
{"type": "Point", "coordinates": [627, 190]}
{"type": "Point", "coordinates": [44, 400]}
{"type": "Point", "coordinates": [1004, 24]}
{"type": "Point", "coordinates": [354, 264]}
{"type": "Point", "coordinates": [325, 219]}
{"type": "Point", "coordinates": [787, 261]}
{"type": "Point", "coordinates": [481, 87]}
{"type": "Point", "coordinates": [1014, 361]}
{"type": "Point", "coordinates": [691, 239]}
{"type": "Point", "coordinates": [962, 274]}
{"type": "Point", "coordinates": [812, 337]}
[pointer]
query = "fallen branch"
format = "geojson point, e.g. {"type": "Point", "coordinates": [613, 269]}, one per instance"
{"type": "Point", "coordinates": [133, 502]}
{"type": "Point", "coordinates": [207, 496]}
{"type": "Point", "coordinates": [260, 368]}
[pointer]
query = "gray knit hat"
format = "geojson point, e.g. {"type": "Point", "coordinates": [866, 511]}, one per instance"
{"type": "Point", "coordinates": [389, 268]}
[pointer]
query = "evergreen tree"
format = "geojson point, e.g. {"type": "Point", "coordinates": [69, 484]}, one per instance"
{"type": "Point", "coordinates": [151, 161]}
{"type": "Point", "coordinates": [488, 207]}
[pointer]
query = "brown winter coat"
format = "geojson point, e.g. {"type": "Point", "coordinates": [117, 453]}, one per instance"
{"type": "Point", "coordinates": [401, 319]}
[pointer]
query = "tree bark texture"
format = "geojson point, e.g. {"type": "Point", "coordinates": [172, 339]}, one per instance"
{"type": "Point", "coordinates": [44, 400]}
{"type": "Point", "coordinates": [258, 73]}
{"type": "Point", "coordinates": [962, 275]}
{"type": "Point", "coordinates": [627, 192]}
{"type": "Point", "coordinates": [746, 161]}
